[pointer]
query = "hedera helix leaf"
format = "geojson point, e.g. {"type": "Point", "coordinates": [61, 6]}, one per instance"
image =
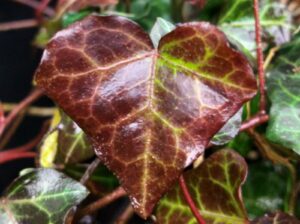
{"type": "Point", "coordinates": [67, 144]}
{"type": "Point", "coordinates": [258, 196]}
{"type": "Point", "coordinates": [276, 218]}
{"type": "Point", "coordinates": [215, 187]}
{"type": "Point", "coordinates": [149, 112]}
{"type": "Point", "coordinates": [237, 21]}
{"type": "Point", "coordinates": [41, 196]}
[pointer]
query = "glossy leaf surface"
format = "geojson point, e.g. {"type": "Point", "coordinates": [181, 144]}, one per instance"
{"type": "Point", "coordinates": [229, 130]}
{"type": "Point", "coordinates": [40, 196]}
{"type": "Point", "coordinates": [67, 144]}
{"type": "Point", "coordinates": [284, 123]}
{"type": "Point", "coordinates": [215, 187]}
{"type": "Point", "coordinates": [150, 113]}
{"type": "Point", "coordinates": [276, 218]}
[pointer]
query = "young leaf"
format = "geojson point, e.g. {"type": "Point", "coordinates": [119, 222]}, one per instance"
{"type": "Point", "coordinates": [40, 196]}
{"type": "Point", "coordinates": [160, 28]}
{"type": "Point", "coordinates": [149, 113]}
{"type": "Point", "coordinates": [215, 187]}
{"type": "Point", "coordinates": [276, 218]}
{"type": "Point", "coordinates": [284, 123]}
{"type": "Point", "coordinates": [68, 144]}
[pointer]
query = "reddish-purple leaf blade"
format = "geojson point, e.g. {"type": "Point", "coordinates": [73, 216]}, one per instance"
{"type": "Point", "coordinates": [276, 218]}
{"type": "Point", "coordinates": [215, 187]}
{"type": "Point", "coordinates": [148, 112]}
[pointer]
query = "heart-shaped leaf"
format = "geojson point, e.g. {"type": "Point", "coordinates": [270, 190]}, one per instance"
{"type": "Point", "coordinates": [215, 187]}
{"type": "Point", "coordinates": [276, 218]}
{"type": "Point", "coordinates": [40, 196]}
{"type": "Point", "coordinates": [149, 112]}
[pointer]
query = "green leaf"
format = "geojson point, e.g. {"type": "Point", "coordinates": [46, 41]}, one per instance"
{"type": "Point", "coordinates": [66, 145]}
{"type": "Point", "coordinates": [287, 60]}
{"type": "Point", "coordinates": [237, 22]}
{"type": "Point", "coordinates": [105, 179]}
{"type": "Point", "coordinates": [41, 196]}
{"type": "Point", "coordinates": [276, 218]}
{"type": "Point", "coordinates": [215, 187]}
{"type": "Point", "coordinates": [148, 112]}
{"type": "Point", "coordinates": [265, 189]}
{"type": "Point", "coordinates": [284, 122]}
{"type": "Point", "coordinates": [229, 130]}
{"type": "Point", "coordinates": [160, 28]}
{"type": "Point", "coordinates": [71, 17]}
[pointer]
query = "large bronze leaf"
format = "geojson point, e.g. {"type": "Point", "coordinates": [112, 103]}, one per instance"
{"type": "Point", "coordinates": [149, 112]}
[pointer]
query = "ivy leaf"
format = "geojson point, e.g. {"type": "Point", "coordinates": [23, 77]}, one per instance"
{"type": "Point", "coordinates": [276, 218]}
{"type": "Point", "coordinates": [259, 197]}
{"type": "Point", "coordinates": [215, 187]}
{"type": "Point", "coordinates": [237, 22]}
{"type": "Point", "coordinates": [160, 28]}
{"type": "Point", "coordinates": [40, 196]}
{"type": "Point", "coordinates": [149, 113]}
{"type": "Point", "coordinates": [287, 59]}
{"type": "Point", "coordinates": [229, 130]}
{"type": "Point", "coordinates": [284, 123]}
{"type": "Point", "coordinates": [66, 145]}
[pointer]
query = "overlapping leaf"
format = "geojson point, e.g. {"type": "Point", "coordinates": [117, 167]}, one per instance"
{"type": "Point", "coordinates": [215, 187]}
{"type": "Point", "coordinates": [149, 112]}
{"type": "Point", "coordinates": [66, 144]}
{"type": "Point", "coordinates": [276, 218]}
{"type": "Point", "coordinates": [40, 196]}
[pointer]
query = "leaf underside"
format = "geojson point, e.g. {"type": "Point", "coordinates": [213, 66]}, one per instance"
{"type": "Point", "coordinates": [215, 187]}
{"type": "Point", "coordinates": [149, 112]}
{"type": "Point", "coordinates": [40, 196]}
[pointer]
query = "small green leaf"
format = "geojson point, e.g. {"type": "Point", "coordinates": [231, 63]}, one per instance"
{"type": "Point", "coordinates": [237, 22]}
{"type": "Point", "coordinates": [160, 28]}
{"type": "Point", "coordinates": [41, 196]}
{"type": "Point", "coordinates": [229, 130]}
{"type": "Point", "coordinates": [72, 17]}
{"type": "Point", "coordinates": [276, 218]}
{"type": "Point", "coordinates": [284, 123]}
{"type": "Point", "coordinates": [215, 187]}
{"type": "Point", "coordinates": [265, 189]}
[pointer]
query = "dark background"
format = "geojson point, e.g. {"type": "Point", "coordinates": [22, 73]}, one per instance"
{"type": "Point", "coordinates": [18, 61]}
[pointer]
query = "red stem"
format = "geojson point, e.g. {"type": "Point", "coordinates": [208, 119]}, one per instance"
{"type": "Point", "coordinates": [8, 156]}
{"type": "Point", "coordinates": [35, 5]}
{"type": "Point", "coordinates": [35, 94]}
{"type": "Point", "coordinates": [23, 151]}
{"type": "Point", "coordinates": [40, 9]}
{"type": "Point", "coordinates": [260, 58]}
{"type": "Point", "coordinates": [190, 201]}
{"type": "Point", "coordinates": [254, 121]}
{"type": "Point", "coordinates": [20, 24]}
